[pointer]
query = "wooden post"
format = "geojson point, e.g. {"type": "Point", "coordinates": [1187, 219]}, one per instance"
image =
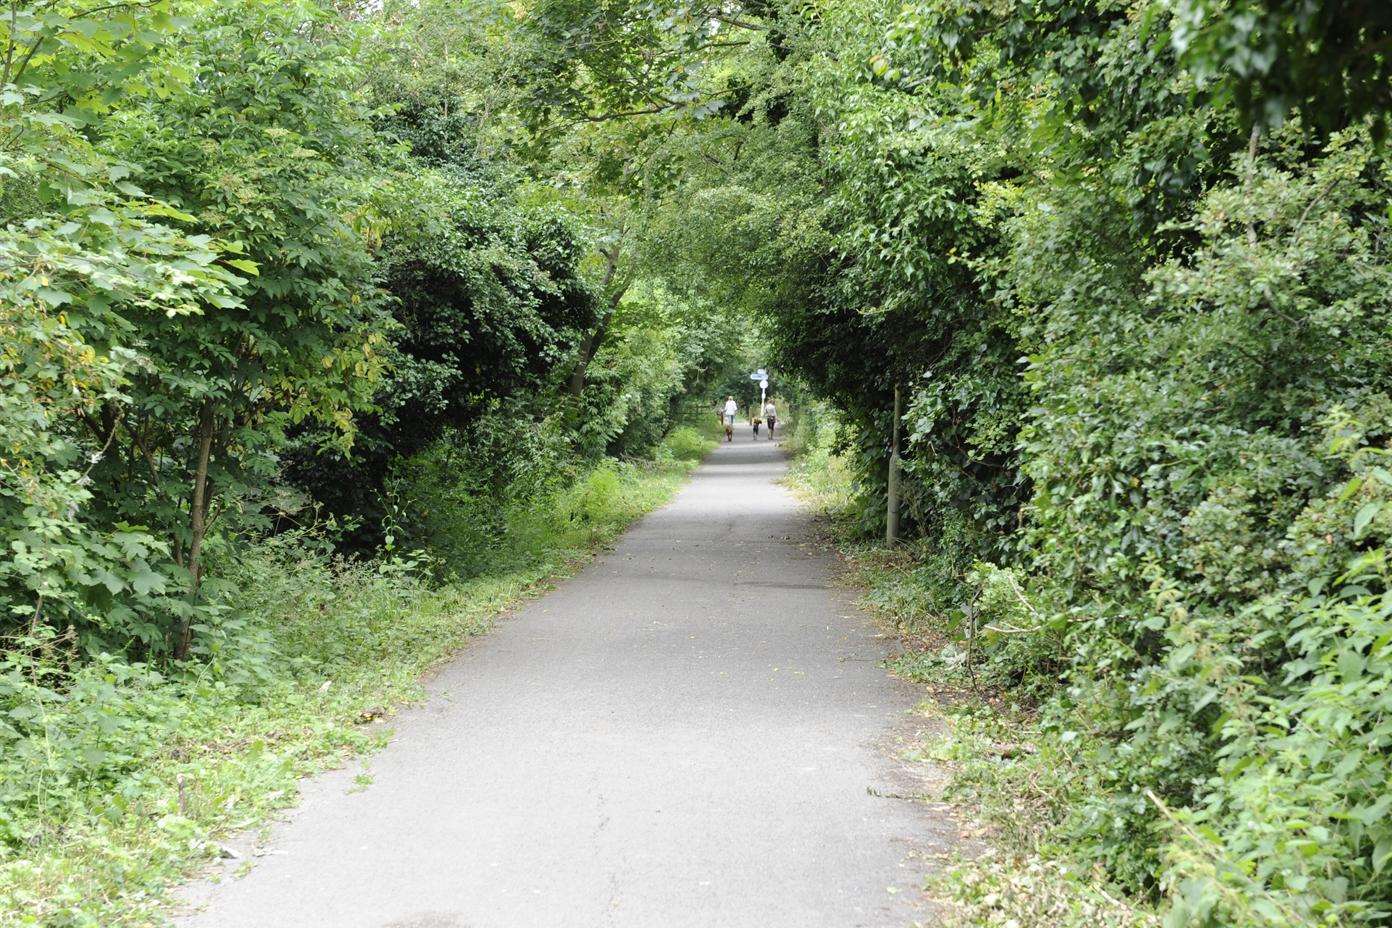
{"type": "Point", "coordinates": [892, 503]}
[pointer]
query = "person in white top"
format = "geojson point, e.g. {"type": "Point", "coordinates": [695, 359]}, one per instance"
{"type": "Point", "coordinates": [731, 410]}
{"type": "Point", "coordinates": [770, 415]}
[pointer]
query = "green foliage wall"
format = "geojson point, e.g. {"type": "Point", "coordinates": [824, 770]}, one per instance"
{"type": "Point", "coordinates": [256, 254]}
{"type": "Point", "coordinates": [486, 304]}
{"type": "Point", "coordinates": [196, 290]}
{"type": "Point", "coordinates": [1194, 317]}
{"type": "Point", "coordinates": [1128, 260]}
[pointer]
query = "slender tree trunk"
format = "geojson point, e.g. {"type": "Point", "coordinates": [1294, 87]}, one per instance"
{"type": "Point", "coordinates": [595, 337]}
{"type": "Point", "coordinates": [588, 348]}
{"type": "Point", "coordinates": [892, 495]}
{"type": "Point", "coordinates": [198, 523]}
{"type": "Point", "coordinates": [1252, 141]}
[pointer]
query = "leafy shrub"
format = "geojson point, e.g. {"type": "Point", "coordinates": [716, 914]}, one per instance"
{"type": "Point", "coordinates": [818, 469]}
{"type": "Point", "coordinates": [1208, 586]}
{"type": "Point", "coordinates": [1293, 827]}
{"type": "Point", "coordinates": [684, 443]}
{"type": "Point", "coordinates": [505, 492]}
{"type": "Point", "coordinates": [485, 297]}
{"type": "Point", "coordinates": [188, 291]}
{"type": "Point", "coordinates": [114, 775]}
{"type": "Point", "coordinates": [465, 496]}
{"type": "Point", "coordinates": [69, 736]}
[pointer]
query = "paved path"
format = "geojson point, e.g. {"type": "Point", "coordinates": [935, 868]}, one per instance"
{"type": "Point", "coordinates": [682, 736]}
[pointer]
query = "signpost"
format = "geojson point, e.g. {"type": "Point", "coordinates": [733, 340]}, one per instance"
{"type": "Point", "coordinates": [761, 375]}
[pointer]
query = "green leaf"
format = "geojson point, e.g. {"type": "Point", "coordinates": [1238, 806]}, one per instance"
{"type": "Point", "coordinates": [1364, 516]}
{"type": "Point", "coordinates": [145, 581]}
{"type": "Point", "coordinates": [1381, 854]}
{"type": "Point", "coordinates": [53, 296]}
{"type": "Point", "coordinates": [242, 264]}
{"type": "Point", "coordinates": [1350, 664]}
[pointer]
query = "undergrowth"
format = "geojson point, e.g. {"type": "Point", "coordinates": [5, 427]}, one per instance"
{"type": "Point", "coordinates": [118, 779]}
{"type": "Point", "coordinates": [1015, 778]}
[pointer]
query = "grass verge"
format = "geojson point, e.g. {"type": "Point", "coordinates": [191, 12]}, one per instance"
{"type": "Point", "coordinates": [1003, 771]}
{"type": "Point", "coordinates": [136, 775]}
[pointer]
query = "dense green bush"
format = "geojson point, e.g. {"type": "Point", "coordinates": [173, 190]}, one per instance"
{"type": "Point", "coordinates": [1179, 453]}
{"type": "Point", "coordinates": [1180, 590]}
{"type": "Point", "coordinates": [819, 468]}
{"type": "Point", "coordinates": [206, 287]}
{"type": "Point", "coordinates": [1293, 826]}
{"type": "Point", "coordinates": [485, 300]}
{"type": "Point", "coordinates": [505, 488]}
{"type": "Point", "coordinates": [465, 496]}
{"type": "Point", "coordinates": [684, 443]}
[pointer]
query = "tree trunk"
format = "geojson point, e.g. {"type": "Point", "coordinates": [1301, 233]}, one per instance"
{"type": "Point", "coordinates": [198, 524]}
{"type": "Point", "coordinates": [892, 490]}
{"type": "Point", "coordinates": [595, 337]}
{"type": "Point", "coordinates": [588, 348]}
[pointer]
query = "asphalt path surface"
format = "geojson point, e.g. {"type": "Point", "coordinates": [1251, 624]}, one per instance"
{"type": "Point", "coordinates": [690, 732]}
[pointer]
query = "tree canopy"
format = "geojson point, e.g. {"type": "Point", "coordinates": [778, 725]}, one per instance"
{"type": "Point", "coordinates": [274, 267]}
